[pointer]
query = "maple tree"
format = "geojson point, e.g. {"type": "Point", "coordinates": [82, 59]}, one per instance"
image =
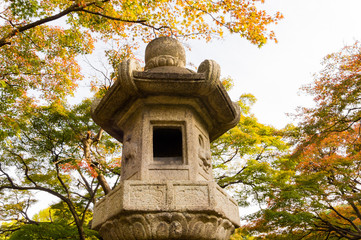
{"type": "Point", "coordinates": [244, 157]}
{"type": "Point", "coordinates": [239, 235]}
{"type": "Point", "coordinates": [38, 52]}
{"type": "Point", "coordinates": [336, 93]}
{"type": "Point", "coordinates": [53, 223]}
{"type": "Point", "coordinates": [59, 151]}
{"type": "Point", "coordinates": [321, 197]}
{"type": "Point", "coordinates": [49, 146]}
{"type": "Point", "coordinates": [248, 159]}
{"type": "Point", "coordinates": [40, 40]}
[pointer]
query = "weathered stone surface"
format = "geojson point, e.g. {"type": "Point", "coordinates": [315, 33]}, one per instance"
{"type": "Point", "coordinates": [167, 225]}
{"type": "Point", "coordinates": [166, 117]}
{"type": "Point", "coordinates": [204, 87]}
{"type": "Point", "coordinates": [164, 51]}
{"type": "Point", "coordinates": [133, 196]}
{"type": "Point", "coordinates": [194, 162]}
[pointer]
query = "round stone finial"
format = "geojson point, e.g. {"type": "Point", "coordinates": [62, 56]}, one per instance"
{"type": "Point", "coordinates": [164, 51]}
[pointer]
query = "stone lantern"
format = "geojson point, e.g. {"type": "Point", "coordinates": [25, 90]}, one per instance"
{"type": "Point", "coordinates": [166, 116]}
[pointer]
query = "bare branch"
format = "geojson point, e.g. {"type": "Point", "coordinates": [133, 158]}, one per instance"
{"type": "Point", "coordinates": [61, 181]}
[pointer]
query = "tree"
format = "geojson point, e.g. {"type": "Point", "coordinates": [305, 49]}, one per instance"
{"type": "Point", "coordinates": [244, 158]}
{"type": "Point", "coordinates": [336, 92]}
{"type": "Point", "coordinates": [58, 151]}
{"type": "Point", "coordinates": [53, 223]}
{"type": "Point", "coordinates": [121, 18]}
{"type": "Point", "coordinates": [53, 147]}
{"type": "Point", "coordinates": [41, 40]}
{"type": "Point", "coordinates": [248, 160]}
{"type": "Point", "coordinates": [238, 235]}
{"type": "Point", "coordinates": [321, 199]}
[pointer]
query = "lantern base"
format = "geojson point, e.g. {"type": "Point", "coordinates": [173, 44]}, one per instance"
{"type": "Point", "coordinates": [167, 225]}
{"type": "Point", "coordinates": [138, 209]}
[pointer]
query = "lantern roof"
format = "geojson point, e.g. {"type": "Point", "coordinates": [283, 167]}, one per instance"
{"type": "Point", "coordinates": [165, 74]}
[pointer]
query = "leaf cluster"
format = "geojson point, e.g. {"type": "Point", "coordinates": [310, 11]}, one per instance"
{"type": "Point", "coordinates": [321, 199]}
{"type": "Point", "coordinates": [49, 154]}
{"type": "Point", "coordinates": [244, 158]}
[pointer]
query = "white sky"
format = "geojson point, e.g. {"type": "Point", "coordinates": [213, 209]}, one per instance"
{"type": "Point", "coordinates": [274, 73]}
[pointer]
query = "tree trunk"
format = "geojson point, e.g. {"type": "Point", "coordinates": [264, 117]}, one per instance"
{"type": "Point", "coordinates": [87, 142]}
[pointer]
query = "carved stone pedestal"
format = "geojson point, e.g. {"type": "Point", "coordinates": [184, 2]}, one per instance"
{"type": "Point", "coordinates": [166, 210]}
{"type": "Point", "coordinates": [167, 225]}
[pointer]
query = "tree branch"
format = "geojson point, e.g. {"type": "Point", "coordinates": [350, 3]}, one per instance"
{"type": "Point", "coordinates": [4, 40]}
{"type": "Point", "coordinates": [112, 18]}
{"type": "Point", "coordinates": [73, 8]}
{"type": "Point", "coordinates": [343, 217]}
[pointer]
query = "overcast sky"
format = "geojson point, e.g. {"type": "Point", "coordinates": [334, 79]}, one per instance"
{"type": "Point", "coordinates": [274, 73]}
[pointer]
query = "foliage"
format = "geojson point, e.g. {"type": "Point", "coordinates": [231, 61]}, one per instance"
{"type": "Point", "coordinates": [336, 92]}
{"type": "Point", "coordinates": [49, 146]}
{"type": "Point", "coordinates": [240, 235]}
{"type": "Point", "coordinates": [321, 199]}
{"type": "Point", "coordinates": [51, 231]}
{"type": "Point", "coordinates": [41, 40]}
{"type": "Point", "coordinates": [58, 152]}
{"type": "Point", "coordinates": [125, 19]}
{"type": "Point", "coordinates": [244, 157]}
{"type": "Point", "coordinates": [53, 223]}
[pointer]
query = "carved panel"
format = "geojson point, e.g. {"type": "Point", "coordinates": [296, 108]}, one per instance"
{"type": "Point", "coordinates": [203, 176]}
{"type": "Point", "coordinates": [203, 155]}
{"type": "Point", "coordinates": [191, 195]}
{"type": "Point", "coordinates": [147, 195]}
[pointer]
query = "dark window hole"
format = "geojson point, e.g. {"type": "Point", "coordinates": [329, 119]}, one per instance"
{"type": "Point", "coordinates": [167, 145]}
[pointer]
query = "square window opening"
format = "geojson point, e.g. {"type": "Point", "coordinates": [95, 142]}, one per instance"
{"type": "Point", "coordinates": [167, 145]}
